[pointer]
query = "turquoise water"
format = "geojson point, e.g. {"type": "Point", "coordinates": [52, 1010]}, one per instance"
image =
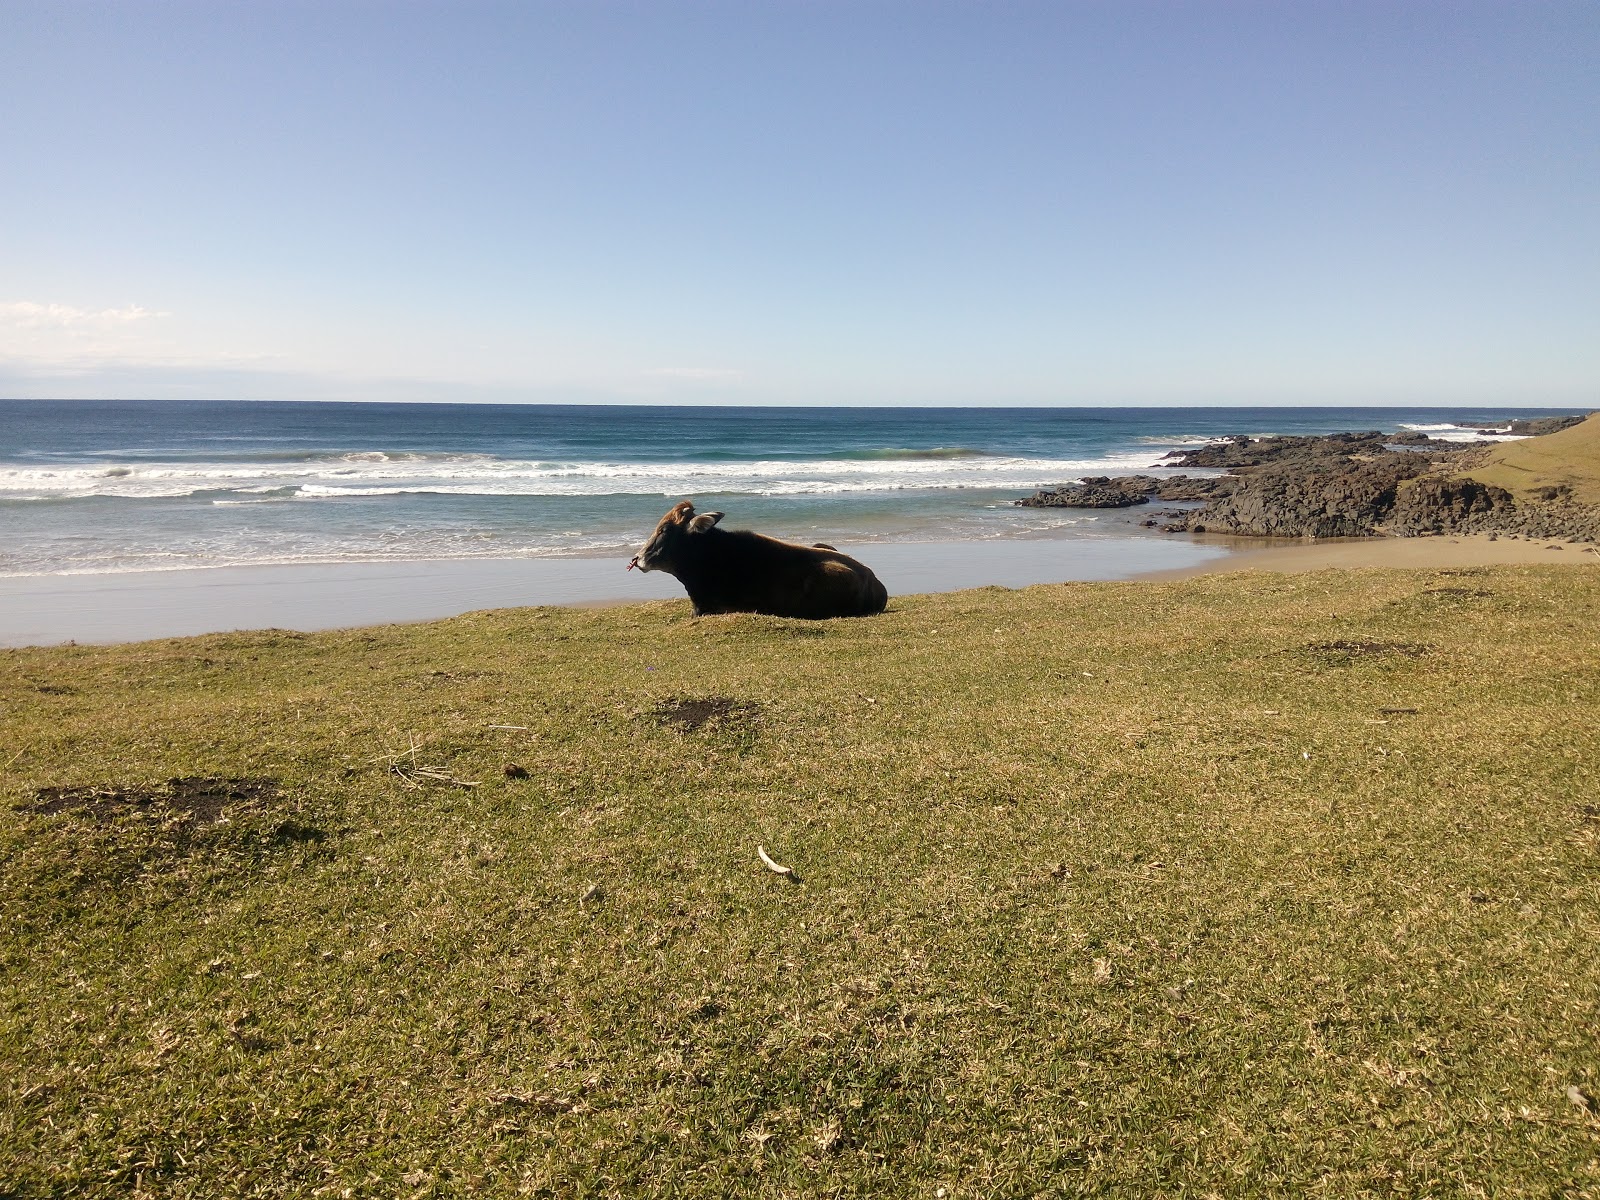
{"type": "Point", "coordinates": [109, 486]}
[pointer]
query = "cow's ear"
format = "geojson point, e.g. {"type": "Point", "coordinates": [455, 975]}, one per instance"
{"type": "Point", "coordinates": [704, 522]}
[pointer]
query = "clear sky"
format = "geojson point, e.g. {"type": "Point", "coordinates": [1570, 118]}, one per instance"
{"type": "Point", "coordinates": [802, 201]}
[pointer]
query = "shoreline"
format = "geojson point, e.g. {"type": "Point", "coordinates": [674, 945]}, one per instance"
{"type": "Point", "coordinates": [43, 610]}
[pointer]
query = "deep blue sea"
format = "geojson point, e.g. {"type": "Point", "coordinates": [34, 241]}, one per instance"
{"type": "Point", "coordinates": [106, 486]}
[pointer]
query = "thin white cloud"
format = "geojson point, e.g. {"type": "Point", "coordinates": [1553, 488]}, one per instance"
{"type": "Point", "coordinates": [702, 374]}
{"type": "Point", "coordinates": [29, 314]}
{"type": "Point", "coordinates": [68, 338]}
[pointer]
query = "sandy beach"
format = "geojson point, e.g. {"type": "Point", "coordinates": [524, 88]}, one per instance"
{"type": "Point", "coordinates": [1452, 550]}
{"type": "Point", "coordinates": [135, 606]}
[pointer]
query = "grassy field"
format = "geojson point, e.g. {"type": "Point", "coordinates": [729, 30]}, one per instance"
{"type": "Point", "coordinates": [1233, 886]}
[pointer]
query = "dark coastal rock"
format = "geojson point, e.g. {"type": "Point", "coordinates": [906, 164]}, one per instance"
{"type": "Point", "coordinates": [1438, 503]}
{"type": "Point", "coordinates": [1124, 491]}
{"type": "Point", "coordinates": [1528, 426]}
{"type": "Point", "coordinates": [1341, 485]}
{"type": "Point", "coordinates": [1336, 497]}
{"type": "Point", "coordinates": [1243, 452]}
{"type": "Point", "coordinates": [1195, 487]}
{"type": "Point", "coordinates": [1540, 426]}
{"type": "Point", "coordinates": [1094, 492]}
{"type": "Point", "coordinates": [1367, 485]}
{"type": "Point", "coordinates": [1441, 505]}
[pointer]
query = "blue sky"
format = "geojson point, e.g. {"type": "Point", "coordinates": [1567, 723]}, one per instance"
{"type": "Point", "coordinates": [836, 203]}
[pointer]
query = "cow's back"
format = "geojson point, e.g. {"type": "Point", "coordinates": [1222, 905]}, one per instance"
{"type": "Point", "coordinates": [839, 586]}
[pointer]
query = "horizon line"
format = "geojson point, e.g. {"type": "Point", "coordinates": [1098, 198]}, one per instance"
{"type": "Point", "coordinates": [1590, 407]}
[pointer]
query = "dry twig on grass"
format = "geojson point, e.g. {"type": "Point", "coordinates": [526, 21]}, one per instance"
{"type": "Point", "coordinates": [414, 774]}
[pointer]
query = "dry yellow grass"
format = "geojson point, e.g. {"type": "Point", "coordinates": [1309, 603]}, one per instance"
{"type": "Point", "coordinates": [1570, 459]}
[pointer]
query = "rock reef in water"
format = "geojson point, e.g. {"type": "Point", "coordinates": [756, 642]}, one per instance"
{"type": "Point", "coordinates": [1123, 491]}
{"type": "Point", "coordinates": [1243, 453]}
{"type": "Point", "coordinates": [1528, 427]}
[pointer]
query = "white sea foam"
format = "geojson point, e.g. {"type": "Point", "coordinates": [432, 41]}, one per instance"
{"type": "Point", "coordinates": [1447, 432]}
{"type": "Point", "coordinates": [1181, 439]}
{"type": "Point", "coordinates": [480, 475]}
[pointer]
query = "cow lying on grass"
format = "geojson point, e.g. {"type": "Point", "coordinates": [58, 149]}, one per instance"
{"type": "Point", "coordinates": [727, 571]}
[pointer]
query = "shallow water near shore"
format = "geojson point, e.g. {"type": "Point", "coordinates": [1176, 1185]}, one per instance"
{"type": "Point", "coordinates": [129, 486]}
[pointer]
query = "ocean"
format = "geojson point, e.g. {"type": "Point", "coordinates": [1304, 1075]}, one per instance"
{"type": "Point", "coordinates": [121, 486]}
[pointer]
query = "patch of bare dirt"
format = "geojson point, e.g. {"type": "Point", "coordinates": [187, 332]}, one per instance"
{"type": "Point", "coordinates": [200, 798]}
{"type": "Point", "coordinates": [694, 714]}
{"type": "Point", "coordinates": [194, 832]}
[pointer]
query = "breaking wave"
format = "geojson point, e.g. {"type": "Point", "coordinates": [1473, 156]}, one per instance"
{"type": "Point", "coordinates": [370, 475]}
{"type": "Point", "coordinates": [1447, 432]}
{"type": "Point", "coordinates": [936, 454]}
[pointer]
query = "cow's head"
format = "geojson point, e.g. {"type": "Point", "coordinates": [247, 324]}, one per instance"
{"type": "Point", "coordinates": [667, 544]}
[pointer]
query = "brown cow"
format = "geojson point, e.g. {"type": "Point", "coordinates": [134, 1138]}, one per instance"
{"type": "Point", "coordinates": [726, 570]}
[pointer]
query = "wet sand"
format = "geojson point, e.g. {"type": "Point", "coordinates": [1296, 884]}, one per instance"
{"type": "Point", "coordinates": [136, 606]}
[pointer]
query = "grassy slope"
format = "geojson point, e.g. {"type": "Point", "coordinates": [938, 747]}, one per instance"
{"type": "Point", "coordinates": [1107, 889]}
{"type": "Point", "coordinates": [1570, 457]}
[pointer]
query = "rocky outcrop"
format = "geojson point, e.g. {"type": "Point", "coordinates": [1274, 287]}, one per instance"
{"type": "Point", "coordinates": [1394, 494]}
{"type": "Point", "coordinates": [1095, 492]}
{"type": "Point", "coordinates": [1341, 485]}
{"type": "Point", "coordinates": [1529, 427]}
{"type": "Point", "coordinates": [1343, 497]}
{"type": "Point", "coordinates": [1124, 491]}
{"type": "Point", "coordinates": [1195, 487]}
{"type": "Point", "coordinates": [1243, 453]}
{"type": "Point", "coordinates": [1438, 503]}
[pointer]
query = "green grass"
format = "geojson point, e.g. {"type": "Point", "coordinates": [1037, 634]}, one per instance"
{"type": "Point", "coordinates": [1234, 886]}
